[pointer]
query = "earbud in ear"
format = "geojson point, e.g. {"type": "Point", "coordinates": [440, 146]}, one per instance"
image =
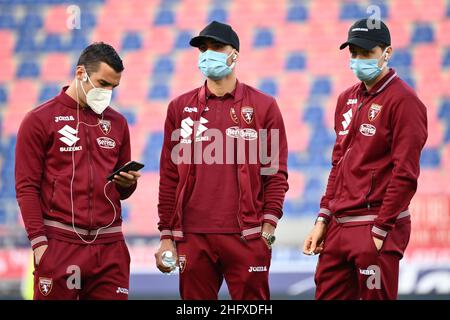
{"type": "Point", "coordinates": [85, 77]}
{"type": "Point", "coordinates": [235, 56]}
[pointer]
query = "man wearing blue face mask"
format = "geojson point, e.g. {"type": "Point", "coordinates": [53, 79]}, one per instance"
{"type": "Point", "coordinates": [222, 213]}
{"type": "Point", "coordinates": [363, 226]}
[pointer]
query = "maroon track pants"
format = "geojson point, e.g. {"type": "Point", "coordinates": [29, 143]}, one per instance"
{"type": "Point", "coordinates": [69, 271]}
{"type": "Point", "coordinates": [206, 259]}
{"type": "Point", "coordinates": [350, 267]}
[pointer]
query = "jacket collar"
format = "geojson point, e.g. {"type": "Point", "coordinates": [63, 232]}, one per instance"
{"type": "Point", "coordinates": [238, 93]}
{"type": "Point", "coordinates": [381, 85]}
{"type": "Point", "coordinates": [65, 99]}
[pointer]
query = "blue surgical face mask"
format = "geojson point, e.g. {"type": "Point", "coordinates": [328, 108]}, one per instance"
{"type": "Point", "coordinates": [367, 69]}
{"type": "Point", "coordinates": [214, 65]}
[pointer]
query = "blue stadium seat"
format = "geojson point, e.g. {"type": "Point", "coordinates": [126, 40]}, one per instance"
{"type": "Point", "coordinates": [182, 41]}
{"type": "Point", "coordinates": [159, 91]}
{"type": "Point", "coordinates": [78, 41]}
{"type": "Point", "coordinates": [7, 21]}
{"type": "Point", "coordinates": [401, 59]}
{"type": "Point", "coordinates": [25, 43]}
{"type": "Point", "coordinates": [125, 212]}
{"type": "Point", "coordinates": [152, 151]}
{"type": "Point", "coordinates": [423, 33]}
{"type": "Point", "coordinates": [294, 161]}
{"type": "Point", "coordinates": [314, 189]}
{"type": "Point", "coordinates": [48, 91]}
{"type": "Point", "coordinates": [168, 3]}
{"type": "Point", "coordinates": [163, 66]}
{"type": "Point", "coordinates": [296, 61]}
{"type": "Point", "coordinates": [297, 13]}
{"type": "Point", "coordinates": [28, 69]}
{"type": "Point", "coordinates": [3, 214]}
{"type": "Point", "coordinates": [164, 17]}
{"type": "Point", "coordinates": [430, 158]}
{"type": "Point", "coordinates": [321, 86]}
{"type": "Point", "coordinates": [269, 86]}
{"type": "Point", "coordinates": [309, 208]}
{"type": "Point", "coordinates": [321, 138]}
{"type": "Point", "coordinates": [446, 59]}
{"type": "Point", "coordinates": [263, 38]}
{"type": "Point", "coordinates": [87, 19]}
{"type": "Point", "coordinates": [313, 115]}
{"type": "Point", "coordinates": [7, 172]}
{"type": "Point", "coordinates": [131, 41]}
{"type": "Point", "coordinates": [351, 11]}
{"type": "Point", "coordinates": [130, 115]}
{"type": "Point", "coordinates": [31, 22]}
{"type": "Point", "coordinates": [52, 43]}
{"type": "Point", "coordinates": [354, 11]}
{"type": "Point", "coordinates": [447, 135]}
{"type": "Point", "coordinates": [218, 14]}
{"type": "Point", "coordinates": [444, 111]}
{"type": "Point", "coordinates": [3, 96]}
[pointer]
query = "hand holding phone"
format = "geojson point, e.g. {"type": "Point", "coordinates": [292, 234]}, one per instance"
{"type": "Point", "coordinates": [129, 166]}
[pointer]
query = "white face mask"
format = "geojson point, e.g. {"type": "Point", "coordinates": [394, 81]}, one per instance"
{"type": "Point", "coordinates": [98, 99]}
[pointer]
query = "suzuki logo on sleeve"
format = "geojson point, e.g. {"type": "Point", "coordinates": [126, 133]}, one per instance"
{"type": "Point", "coordinates": [346, 122]}
{"type": "Point", "coordinates": [69, 137]}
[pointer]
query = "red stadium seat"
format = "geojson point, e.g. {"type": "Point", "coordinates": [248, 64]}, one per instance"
{"type": "Point", "coordinates": [427, 58]}
{"type": "Point", "coordinates": [320, 11]}
{"type": "Point", "coordinates": [106, 34]}
{"type": "Point", "coordinates": [400, 33]}
{"type": "Point", "coordinates": [260, 14]}
{"type": "Point", "coordinates": [8, 68]}
{"type": "Point", "coordinates": [292, 37]}
{"type": "Point", "coordinates": [296, 185]}
{"type": "Point", "coordinates": [159, 40]}
{"type": "Point", "coordinates": [56, 67]}
{"type": "Point", "coordinates": [436, 134]}
{"type": "Point", "coordinates": [7, 41]}
{"type": "Point", "coordinates": [443, 32]}
{"type": "Point", "coordinates": [400, 10]}
{"type": "Point", "coordinates": [56, 19]}
{"type": "Point", "coordinates": [192, 15]}
{"type": "Point", "coordinates": [431, 182]}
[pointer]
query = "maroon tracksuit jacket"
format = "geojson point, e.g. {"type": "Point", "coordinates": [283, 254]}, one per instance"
{"type": "Point", "coordinates": [43, 171]}
{"type": "Point", "coordinates": [261, 196]}
{"type": "Point", "coordinates": [375, 163]}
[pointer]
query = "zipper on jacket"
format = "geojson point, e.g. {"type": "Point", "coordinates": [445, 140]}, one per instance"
{"type": "Point", "coordinates": [372, 178]}
{"type": "Point", "coordinates": [239, 184]}
{"type": "Point", "coordinates": [90, 175]}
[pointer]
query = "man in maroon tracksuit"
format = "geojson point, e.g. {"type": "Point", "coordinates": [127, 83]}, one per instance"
{"type": "Point", "coordinates": [65, 149]}
{"type": "Point", "coordinates": [364, 224]}
{"type": "Point", "coordinates": [221, 205]}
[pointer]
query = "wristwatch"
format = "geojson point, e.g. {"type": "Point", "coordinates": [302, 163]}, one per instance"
{"type": "Point", "coordinates": [321, 219]}
{"type": "Point", "coordinates": [269, 237]}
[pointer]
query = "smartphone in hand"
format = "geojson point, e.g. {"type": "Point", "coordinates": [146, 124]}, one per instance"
{"type": "Point", "coordinates": [129, 166]}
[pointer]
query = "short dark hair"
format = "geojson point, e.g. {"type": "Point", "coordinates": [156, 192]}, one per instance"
{"type": "Point", "coordinates": [383, 45]}
{"type": "Point", "coordinates": [98, 52]}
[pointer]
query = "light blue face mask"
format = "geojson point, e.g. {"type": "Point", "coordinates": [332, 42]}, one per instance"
{"type": "Point", "coordinates": [367, 69]}
{"type": "Point", "coordinates": [214, 65]}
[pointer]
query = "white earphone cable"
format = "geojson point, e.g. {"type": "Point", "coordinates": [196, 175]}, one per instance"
{"type": "Point", "coordinates": [73, 177]}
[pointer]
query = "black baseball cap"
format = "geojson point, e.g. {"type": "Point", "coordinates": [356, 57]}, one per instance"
{"type": "Point", "coordinates": [367, 34]}
{"type": "Point", "coordinates": [218, 31]}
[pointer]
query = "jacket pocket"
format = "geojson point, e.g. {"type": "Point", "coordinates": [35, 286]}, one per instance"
{"type": "Point", "coordinates": [43, 258]}
{"type": "Point", "coordinates": [372, 242]}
